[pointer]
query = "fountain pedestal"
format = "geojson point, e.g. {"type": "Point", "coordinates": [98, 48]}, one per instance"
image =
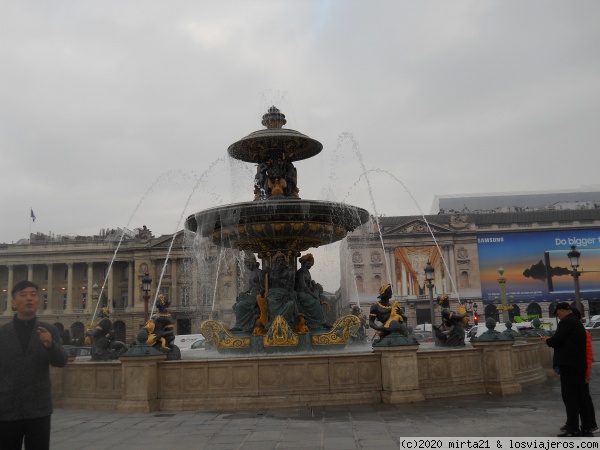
{"type": "Point", "coordinates": [498, 367]}
{"type": "Point", "coordinates": [139, 384]}
{"type": "Point", "coordinates": [399, 374]}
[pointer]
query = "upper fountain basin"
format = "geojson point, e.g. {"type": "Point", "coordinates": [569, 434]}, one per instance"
{"type": "Point", "coordinates": [274, 144]}
{"type": "Point", "coordinates": [272, 225]}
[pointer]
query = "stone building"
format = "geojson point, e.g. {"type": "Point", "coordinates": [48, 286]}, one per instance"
{"type": "Point", "coordinates": [396, 250]}
{"type": "Point", "coordinates": [73, 275]}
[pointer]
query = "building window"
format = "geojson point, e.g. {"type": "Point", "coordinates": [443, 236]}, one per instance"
{"type": "Point", "coordinates": [67, 274]}
{"type": "Point", "coordinates": [125, 273]}
{"type": "Point", "coordinates": [46, 275]}
{"type": "Point", "coordinates": [166, 292]}
{"type": "Point", "coordinates": [185, 266]}
{"type": "Point", "coordinates": [124, 299]}
{"type": "Point", "coordinates": [360, 287]}
{"type": "Point", "coordinates": [206, 296]}
{"type": "Point", "coordinates": [83, 299]}
{"type": "Point", "coordinates": [377, 282]}
{"type": "Point", "coordinates": [185, 296]}
{"type": "Point", "coordinates": [464, 280]}
{"type": "Point", "coordinates": [64, 300]}
{"type": "Point", "coordinates": [85, 273]}
{"type": "Point", "coordinates": [45, 300]}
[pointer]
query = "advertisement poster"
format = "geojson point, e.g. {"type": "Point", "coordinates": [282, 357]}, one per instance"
{"type": "Point", "coordinates": [536, 265]}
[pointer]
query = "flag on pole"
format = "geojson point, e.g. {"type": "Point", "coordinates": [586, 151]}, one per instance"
{"type": "Point", "coordinates": [32, 215]}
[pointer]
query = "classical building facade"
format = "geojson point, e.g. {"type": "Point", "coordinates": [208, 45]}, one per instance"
{"type": "Point", "coordinates": [75, 274]}
{"type": "Point", "coordinates": [396, 250]}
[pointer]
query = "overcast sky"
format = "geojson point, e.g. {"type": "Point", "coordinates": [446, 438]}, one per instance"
{"type": "Point", "coordinates": [119, 113]}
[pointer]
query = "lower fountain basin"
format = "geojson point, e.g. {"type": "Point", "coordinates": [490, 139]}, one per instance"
{"type": "Point", "coordinates": [273, 224]}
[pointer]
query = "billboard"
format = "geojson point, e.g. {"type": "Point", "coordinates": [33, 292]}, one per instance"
{"type": "Point", "coordinates": [536, 265]}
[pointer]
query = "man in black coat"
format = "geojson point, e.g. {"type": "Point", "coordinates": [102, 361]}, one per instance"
{"type": "Point", "coordinates": [27, 349]}
{"type": "Point", "coordinates": [569, 357]}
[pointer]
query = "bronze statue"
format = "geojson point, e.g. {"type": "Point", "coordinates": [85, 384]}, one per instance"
{"type": "Point", "coordinates": [451, 333]}
{"type": "Point", "coordinates": [509, 331]}
{"type": "Point", "coordinates": [246, 308]}
{"type": "Point", "coordinates": [361, 333]}
{"type": "Point", "coordinates": [281, 297]}
{"type": "Point", "coordinates": [385, 313]}
{"type": "Point", "coordinates": [491, 335]}
{"type": "Point", "coordinates": [261, 180]}
{"type": "Point", "coordinates": [309, 295]}
{"type": "Point", "coordinates": [161, 330]}
{"type": "Point", "coordinates": [104, 346]}
{"type": "Point", "coordinates": [537, 330]}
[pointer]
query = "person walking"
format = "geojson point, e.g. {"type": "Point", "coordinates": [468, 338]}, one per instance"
{"type": "Point", "coordinates": [589, 354]}
{"type": "Point", "coordinates": [29, 347]}
{"type": "Point", "coordinates": [569, 344]}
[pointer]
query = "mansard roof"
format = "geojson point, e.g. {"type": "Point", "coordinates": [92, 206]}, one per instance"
{"type": "Point", "coordinates": [486, 219]}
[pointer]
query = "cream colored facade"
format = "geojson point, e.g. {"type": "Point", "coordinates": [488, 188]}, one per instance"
{"type": "Point", "coordinates": [395, 250]}
{"type": "Point", "coordinates": [67, 270]}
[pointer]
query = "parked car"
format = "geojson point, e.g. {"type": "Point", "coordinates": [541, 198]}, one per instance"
{"type": "Point", "coordinates": [73, 350]}
{"type": "Point", "coordinates": [593, 324]}
{"type": "Point", "coordinates": [186, 340]}
{"type": "Point", "coordinates": [197, 349]}
{"type": "Point", "coordinates": [424, 336]}
{"type": "Point", "coordinates": [423, 327]}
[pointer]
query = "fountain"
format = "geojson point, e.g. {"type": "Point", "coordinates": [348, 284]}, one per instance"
{"type": "Point", "coordinates": [277, 225]}
{"type": "Point", "coordinates": [279, 316]}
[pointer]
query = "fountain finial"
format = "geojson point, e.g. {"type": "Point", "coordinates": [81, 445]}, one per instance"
{"type": "Point", "coordinates": [273, 118]}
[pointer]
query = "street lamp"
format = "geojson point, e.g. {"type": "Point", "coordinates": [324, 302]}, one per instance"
{"type": "Point", "coordinates": [146, 286]}
{"type": "Point", "coordinates": [574, 260]}
{"type": "Point", "coordinates": [475, 318]}
{"type": "Point", "coordinates": [505, 306]}
{"type": "Point", "coordinates": [429, 276]}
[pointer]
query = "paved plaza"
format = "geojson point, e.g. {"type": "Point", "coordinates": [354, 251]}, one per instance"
{"type": "Point", "coordinates": [537, 411]}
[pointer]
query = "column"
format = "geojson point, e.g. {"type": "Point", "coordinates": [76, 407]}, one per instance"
{"type": "Point", "coordinates": [404, 282]}
{"type": "Point", "coordinates": [447, 281]}
{"type": "Point", "coordinates": [11, 280]}
{"type": "Point", "coordinates": [30, 272]}
{"type": "Point", "coordinates": [130, 276]}
{"type": "Point", "coordinates": [109, 289]}
{"type": "Point", "coordinates": [452, 264]}
{"type": "Point", "coordinates": [69, 287]}
{"type": "Point", "coordinates": [50, 289]}
{"type": "Point", "coordinates": [175, 298]}
{"type": "Point", "coordinates": [393, 280]}
{"type": "Point", "coordinates": [90, 287]}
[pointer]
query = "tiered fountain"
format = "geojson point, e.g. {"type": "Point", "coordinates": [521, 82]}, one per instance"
{"type": "Point", "coordinates": [277, 226]}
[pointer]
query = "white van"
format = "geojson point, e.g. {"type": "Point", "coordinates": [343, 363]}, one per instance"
{"type": "Point", "coordinates": [422, 327]}
{"type": "Point", "coordinates": [186, 340]}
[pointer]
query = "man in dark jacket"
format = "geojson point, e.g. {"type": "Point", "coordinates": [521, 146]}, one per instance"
{"type": "Point", "coordinates": [27, 349]}
{"type": "Point", "coordinates": [569, 357]}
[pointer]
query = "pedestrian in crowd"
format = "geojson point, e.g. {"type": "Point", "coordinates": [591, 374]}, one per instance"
{"type": "Point", "coordinates": [589, 353]}
{"type": "Point", "coordinates": [28, 348]}
{"type": "Point", "coordinates": [569, 357]}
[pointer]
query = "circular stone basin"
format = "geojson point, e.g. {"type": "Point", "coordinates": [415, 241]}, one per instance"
{"type": "Point", "coordinates": [272, 143]}
{"type": "Point", "coordinates": [269, 225]}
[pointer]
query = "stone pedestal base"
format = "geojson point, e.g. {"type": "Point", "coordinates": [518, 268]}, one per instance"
{"type": "Point", "coordinates": [498, 367]}
{"type": "Point", "coordinates": [399, 374]}
{"type": "Point", "coordinates": [139, 384]}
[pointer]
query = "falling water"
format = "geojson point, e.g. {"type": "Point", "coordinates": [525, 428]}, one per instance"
{"type": "Point", "coordinates": [382, 171]}
{"type": "Point", "coordinates": [178, 226]}
{"type": "Point", "coordinates": [161, 178]}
